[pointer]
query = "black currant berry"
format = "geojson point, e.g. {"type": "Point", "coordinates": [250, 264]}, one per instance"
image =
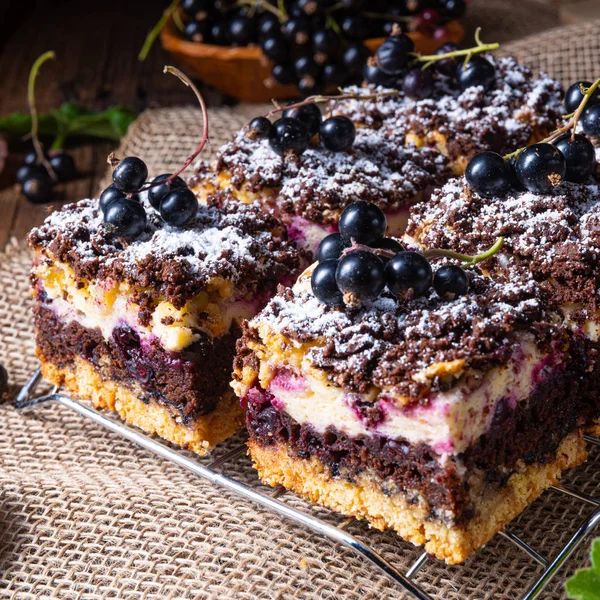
{"type": "Point", "coordinates": [276, 49]}
{"type": "Point", "coordinates": [305, 65]}
{"type": "Point", "coordinates": [337, 133]}
{"type": "Point", "coordinates": [388, 244]}
{"type": "Point", "coordinates": [109, 195]}
{"type": "Point", "coordinates": [590, 120]}
{"type": "Point", "coordinates": [453, 9]}
{"type": "Point", "coordinates": [284, 74]}
{"type": "Point", "coordinates": [26, 171]}
{"type": "Point", "coordinates": [355, 27]}
{"type": "Point", "coordinates": [268, 25]}
{"type": "Point", "coordinates": [179, 207]}
{"type": "Point", "coordinates": [308, 7]}
{"type": "Point", "coordinates": [373, 74]}
{"type": "Point", "coordinates": [241, 31]}
{"type": "Point", "coordinates": [219, 34]}
{"type": "Point", "coordinates": [489, 175]}
{"type": "Point", "coordinates": [63, 166]}
{"type": "Point", "coordinates": [297, 30]}
{"type": "Point", "coordinates": [333, 75]}
{"type": "Point", "coordinates": [324, 285]}
{"type": "Point", "coordinates": [331, 246]}
{"type": "Point", "coordinates": [126, 218]}
{"type": "Point", "coordinates": [418, 84]}
{"type": "Point", "coordinates": [196, 9]}
{"type": "Point", "coordinates": [354, 58]}
{"type": "Point", "coordinates": [31, 158]}
{"type": "Point", "coordinates": [393, 54]}
{"type": "Point", "coordinates": [37, 188]}
{"type": "Point", "coordinates": [363, 222]}
{"type": "Point", "coordinates": [408, 275]}
{"type": "Point", "coordinates": [310, 86]}
{"type": "Point", "coordinates": [3, 379]}
{"type": "Point", "coordinates": [259, 128]}
{"type": "Point", "coordinates": [326, 44]}
{"type": "Point", "coordinates": [289, 134]}
{"type": "Point", "coordinates": [579, 155]}
{"type": "Point", "coordinates": [541, 167]}
{"type": "Point", "coordinates": [360, 275]}
{"type": "Point", "coordinates": [447, 66]}
{"type": "Point", "coordinates": [450, 281]}
{"type": "Point", "coordinates": [130, 174]}
{"type": "Point", "coordinates": [157, 192]}
{"type": "Point", "coordinates": [309, 114]}
{"type": "Point", "coordinates": [198, 31]}
{"type": "Point", "coordinates": [478, 71]}
{"type": "Point", "coordinates": [573, 96]}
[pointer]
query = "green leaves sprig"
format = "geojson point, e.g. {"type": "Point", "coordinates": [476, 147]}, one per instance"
{"type": "Point", "coordinates": [585, 584]}
{"type": "Point", "coordinates": [71, 120]}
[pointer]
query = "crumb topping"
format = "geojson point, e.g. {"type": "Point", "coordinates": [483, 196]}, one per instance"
{"type": "Point", "coordinates": [232, 241]}
{"type": "Point", "coordinates": [554, 239]}
{"type": "Point", "coordinates": [391, 342]}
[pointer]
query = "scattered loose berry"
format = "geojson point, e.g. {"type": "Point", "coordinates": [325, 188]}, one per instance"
{"type": "Point", "coordinates": [393, 54]}
{"type": "Point", "coordinates": [489, 175]}
{"type": "Point", "coordinates": [337, 133]}
{"type": "Point", "coordinates": [179, 207]}
{"type": "Point", "coordinates": [590, 120]}
{"type": "Point", "coordinates": [360, 276]}
{"type": "Point", "coordinates": [157, 192]}
{"type": "Point", "coordinates": [288, 134]}
{"type": "Point", "coordinates": [363, 222]}
{"type": "Point", "coordinates": [309, 114]}
{"type": "Point", "coordinates": [579, 155]}
{"type": "Point", "coordinates": [63, 166]}
{"type": "Point", "coordinates": [126, 218]}
{"type": "Point", "coordinates": [541, 167]}
{"type": "Point", "coordinates": [331, 246]}
{"type": "Point", "coordinates": [408, 275]}
{"type": "Point", "coordinates": [418, 84]}
{"type": "Point", "coordinates": [259, 128]}
{"type": "Point", "coordinates": [450, 281]}
{"type": "Point", "coordinates": [109, 195]}
{"type": "Point", "coordinates": [324, 285]}
{"type": "Point", "coordinates": [130, 174]}
{"type": "Point", "coordinates": [478, 71]}
{"type": "Point", "coordinates": [573, 96]}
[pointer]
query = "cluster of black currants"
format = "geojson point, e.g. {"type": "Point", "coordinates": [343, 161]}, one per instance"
{"type": "Point", "coordinates": [314, 44]}
{"type": "Point", "coordinates": [356, 264]}
{"type": "Point", "coordinates": [37, 182]}
{"type": "Point", "coordinates": [541, 167]}
{"type": "Point", "coordinates": [298, 125]}
{"type": "Point", "coordinates": [120, 201]}
{"type": "Point", "coordinates": [396, 66]}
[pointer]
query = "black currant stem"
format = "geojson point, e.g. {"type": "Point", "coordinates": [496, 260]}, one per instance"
{"type": "Point", "coordinates": [430, 59]}
{"type": "Point", "coordinates": [570, 125]}
{"type": "Point", "coordinates": [155, 31]}
{"type": "Point", "coordinates": [468, 260]}
{"type": "Point", "coordinates": [190, 159]}
{"type": "Point", "coordinates": [264, 5]}
{"type": "Point", "coordinates": [178, 22]}
{"type": "Point", "coordinates": [385, 16]}
{"type": "Point", "coordinates": [321, 99]}
{"type": "Point", "coordinates": [281, 8]}
{"type": "Point", "coordinates": [39, 151]}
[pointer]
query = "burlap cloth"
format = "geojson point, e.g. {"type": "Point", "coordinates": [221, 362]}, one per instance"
{"type": "Point", "coordinates": [85, 514]}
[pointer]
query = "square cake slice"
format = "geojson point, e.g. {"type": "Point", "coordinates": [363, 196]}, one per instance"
{"type": "Point", "coordinates": [148, 327]}
{"type": "Point", "coordinates": [440, 419]}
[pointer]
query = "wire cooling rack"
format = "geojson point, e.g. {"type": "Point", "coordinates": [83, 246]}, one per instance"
{"type": "Point", "coordinates": [212, 471]}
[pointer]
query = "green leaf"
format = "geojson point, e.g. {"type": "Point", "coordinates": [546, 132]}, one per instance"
{"type": "Point", "coordinates": [585, 584]}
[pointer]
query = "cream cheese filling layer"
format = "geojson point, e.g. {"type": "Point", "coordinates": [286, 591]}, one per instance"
{"type": "Point", "coordinates": [106, 305]}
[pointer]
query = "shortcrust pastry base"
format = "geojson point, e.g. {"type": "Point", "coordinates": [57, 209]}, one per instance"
{"type": "Point", "coordinates": [364, 499]}
{"type": "Point", "coordinates": [204, 432]}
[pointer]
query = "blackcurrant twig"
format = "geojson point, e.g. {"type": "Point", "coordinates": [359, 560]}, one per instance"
{"type": "Point", "coordinates": [264, 5]}
{"type": "Point", "coordinates": [178, 21]}
{"type": "Point", "coordinates": [430, 59]}
{"type": "Point", "coordinates": [467, 259]}
{"type": "Point", "coordinates": [570, 125]}
{"type": "Point", "coordinates": [320, 99]}
{"type": "Point", "coordinates": [190, 159]}
{"type": "Point", "coordinates": [281, 8]}
{"type": "Point", "coordinates": [155, 31]}
{"type": "Point", "coordinates": [39, 151]}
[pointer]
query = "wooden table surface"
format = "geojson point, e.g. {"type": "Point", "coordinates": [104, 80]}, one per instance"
{"type": "Point", "coordinates": [96, 63]}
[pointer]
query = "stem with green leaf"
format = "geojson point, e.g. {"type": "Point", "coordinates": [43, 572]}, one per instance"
{"type": "Point", "coordinates": [155, 31]}
{"type": "Point", "coordinates": [468, 260]}
{"type": "Point", "coordinates": [39, 151]}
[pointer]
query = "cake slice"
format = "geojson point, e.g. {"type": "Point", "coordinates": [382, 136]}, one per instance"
{"type": "Point", "coordinates": [147, 327]}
